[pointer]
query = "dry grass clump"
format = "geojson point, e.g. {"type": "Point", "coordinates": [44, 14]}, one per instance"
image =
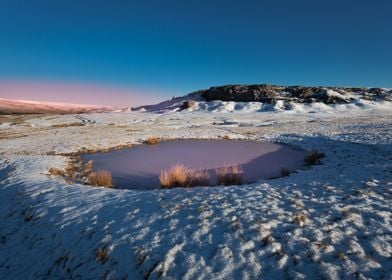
{"type": "Point", "coordinates": [71, 170]}
{"type": "Point", "coordinates": [67, 125]}
{"type": "Point", "coordinates": [284, 172]}
{"type": "Point", "coordinates": [100, 178]}
{"type": "Point", "coordinates": [73, 167]}
{"type": "Point", "coordinates": [101, 255]}
{"type": "Point", "coordinates": [300, 219]}
{"type": "Point", "coordinates": [151, 141]}
{"type": "Point", "coordinates": [229, 175]}
{"type": "Point", "coordinates": [56, 171]}
{"type": "Point", "coordinates": [87, 169]}
{"type": "Point", "coordinates": [175, 176]}
{"type": "Point", "coordinates": [198, 178]}
{"type": "Point", "coordinates": [78, 171]}
{"type": "Point", "coordinates": [313, 157]}
{"type": "Point", "coordinates": [180, 176]}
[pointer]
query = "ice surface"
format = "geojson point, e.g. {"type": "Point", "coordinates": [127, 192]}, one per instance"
{"type": "Point", "coordinates": [139, 167]}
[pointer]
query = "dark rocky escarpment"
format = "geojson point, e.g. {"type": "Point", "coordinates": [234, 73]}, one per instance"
{"type": "Point", "coordinates": [271, 93]}
{"type": "Point", "coordinates": [283, 97]}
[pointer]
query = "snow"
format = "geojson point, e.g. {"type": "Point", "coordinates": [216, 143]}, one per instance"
{"type": "Point", "coordinates": [27, 106]}
{"type": "Point", "coordinates": [356, 104]}
{"type": "Point", "coordinates": [329, 221]}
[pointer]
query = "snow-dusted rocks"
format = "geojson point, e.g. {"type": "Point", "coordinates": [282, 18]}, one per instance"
{"type": "Point", "coordinates": [261, 98]}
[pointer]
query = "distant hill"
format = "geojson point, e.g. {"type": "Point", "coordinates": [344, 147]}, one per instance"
{"type": "Point", "coordinates": [9, 106]}
{"type": "Point", "coordinates": [271, 97]}
{"type": "Point", "coordinates": [301, 94]}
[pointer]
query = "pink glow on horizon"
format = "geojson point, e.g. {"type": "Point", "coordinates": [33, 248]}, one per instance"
{"type": "Point", "coordinates": [78, 93]}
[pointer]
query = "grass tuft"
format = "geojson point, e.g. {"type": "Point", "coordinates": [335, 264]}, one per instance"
{"type": "Point", "coordinates": [180, 176]}
{"type": "Point", "coordinates": [313, 157]}
{"type": "Point", "coordinates": [101, 255]}
{"type": "Point", "coordinates": [151, 141]}
{"type": "Point", "coordinates": [78, 171]}
{"type": "Point", "coordinates": [72, 167]}
{"type": "Point", "coordinates": [300, 219]}
{"type": "Point", "coordinates": [56, 171]}
{"type": "Point", "coordinates": [87, 169]}
{"type": "Point", "coordinates": [284, 172]}
{"type": "Point", "coordinates": [67, 125]}
{"type": "Point", "coordinates": [175, 176]}
{"type": "Point", "coordinates": [229, 175]}
{"type": "Point", "coordinates": [198, 178]}
{"type": "Point", "coordinates": [100, 178]}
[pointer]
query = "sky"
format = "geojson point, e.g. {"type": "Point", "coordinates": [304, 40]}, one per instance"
{"type": "Point", "coordinates": [139, 52]}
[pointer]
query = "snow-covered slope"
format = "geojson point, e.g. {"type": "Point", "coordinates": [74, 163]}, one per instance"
{"type": "Point", "coordinates": [331, 221]}
{"type": "Point", "coordinates": [10, 106]}
{"type": "Point", "coordinates": [264, 98]}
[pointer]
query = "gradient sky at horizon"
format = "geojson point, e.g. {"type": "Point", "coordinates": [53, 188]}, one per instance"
{"type": "Point", "coordinates": [160, 49]}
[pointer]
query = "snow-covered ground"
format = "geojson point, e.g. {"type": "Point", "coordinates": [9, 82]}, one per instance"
{"type": "Point", "coordinates": [36, 107]}
{"type": "Point", "coordinates": [331, 221]}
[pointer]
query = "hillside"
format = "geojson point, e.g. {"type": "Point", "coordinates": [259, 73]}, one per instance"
{"type": "Point", "coordinates": [9, 106]}
{"type": "Point", "coordinates": [264, 97]}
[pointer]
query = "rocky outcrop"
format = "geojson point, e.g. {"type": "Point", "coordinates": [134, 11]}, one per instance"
{"type": "Point", "coordinates": [271, 93]}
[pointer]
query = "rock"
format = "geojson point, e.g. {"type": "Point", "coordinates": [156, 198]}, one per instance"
{"type": "Point", "coordinates": [271, 93]}
{"type": "Point", "coordinates": [187, 104]}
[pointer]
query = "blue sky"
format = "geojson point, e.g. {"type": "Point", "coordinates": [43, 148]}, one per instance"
{"type": "Point", "coordinates": [174, 47]}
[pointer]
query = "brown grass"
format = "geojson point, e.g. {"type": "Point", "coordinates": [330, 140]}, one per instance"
{"type": "Point", "coordinates": [87, 169]}
{"type": "Point", "coordinates": [180, 176]}
{"type": "Point", "coordinates": [101, 255]}
{"type": "Point", "coordinates": [80, 172]}
{"type": "Point", "coordinates": [100, 178]}
{"type": "Point", "coordinates": [300, 219]}
{"type": "Point", "coordinates": [151, 141]}
{"type": "Point", "coordinates": [71, 170]}
{"type": "Point", "coordinates": [284, 172]}
{"type": "Point", "coordinates": [67, 125]}
{"type": "Point", "coordinates": [56, 171]}
{"type": "Point", "coordinates": [175, 176]}
{"type": "Point", "coordinates": [313, 157]}
{"type": "Point", "coordinates": [229, 175]}
{"type": "Point", "coordinates": [198, 178]}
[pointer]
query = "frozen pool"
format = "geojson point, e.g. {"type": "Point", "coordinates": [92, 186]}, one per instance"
{"type": "Point", "coordinates": [139, 167]}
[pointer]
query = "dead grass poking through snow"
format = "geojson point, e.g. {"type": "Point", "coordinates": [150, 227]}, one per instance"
{"type": "Point", "coordinates": [175, 176]}
{"type": "Point", "coordinates": [152, 141]}
{"type": "Point", "coordinates": [313, 157]}
{"type": "Point", "coordinates": [100, 178]}
{"type": "Point", "coordinates": [284, 172]}
{"type": "Point", "coordinates": [198, 178]}
{"type": "Point", "coordinates": [67, 125]}
{"type": "Point", "coordinates": [101, 255]}
{"type": "Point", "coordinates": [180, 176]}
{"type": "Point", "coordinates": [229, 175]}
{"type": "Point", "coordinates": [78, 171]}
{"type": "Point", "coordinates": [87, 169]}
{"type": "Point", "coordinates": [56, 171]}
{"type": "Point", "coordinates": [300, 219]}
